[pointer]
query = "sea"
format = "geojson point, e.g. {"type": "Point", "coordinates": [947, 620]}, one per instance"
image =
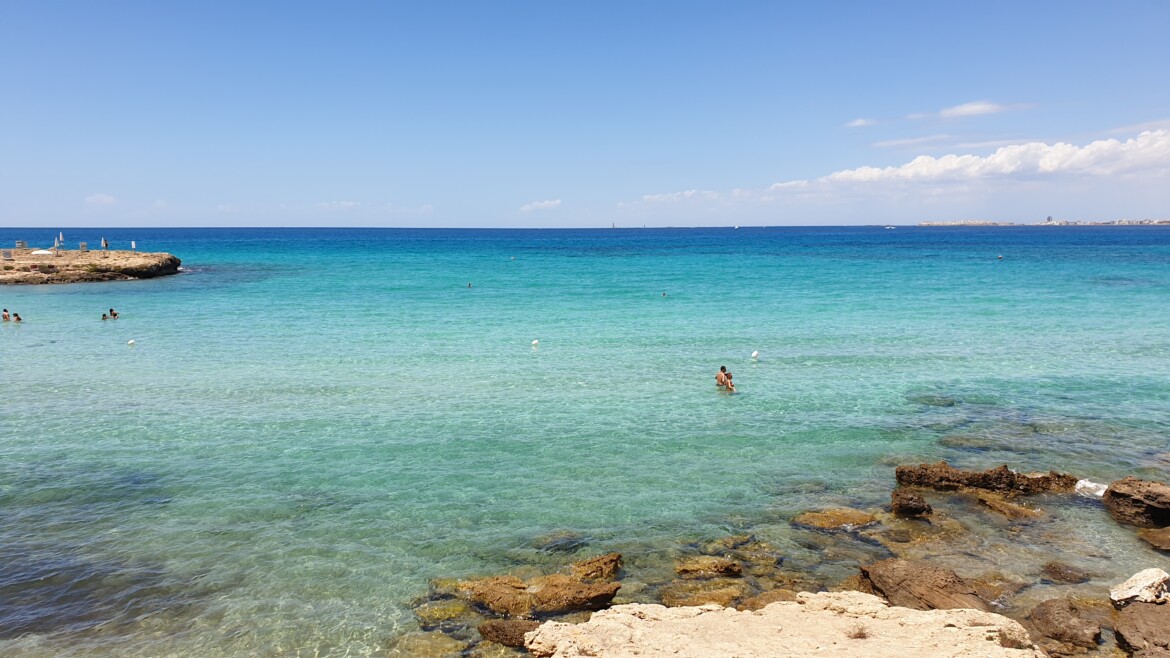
{"type": "Point", "coordinates": [274, 452]}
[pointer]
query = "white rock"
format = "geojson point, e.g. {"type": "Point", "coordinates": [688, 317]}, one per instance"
{"type": "Point", "coordinates": [844, 624]}
{"type": "Point", "coordinates": [1147, 586]}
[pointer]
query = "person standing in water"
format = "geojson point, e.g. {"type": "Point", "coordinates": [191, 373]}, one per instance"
{"type": "Point", "coordinates": [730, 384]}
{"type": "Point", "coordinates": [721, 376]}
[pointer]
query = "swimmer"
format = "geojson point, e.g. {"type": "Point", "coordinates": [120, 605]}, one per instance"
{"type": "Point", "coordinates": [6, 316]}
{"type": "Point", "coordinates": [113, 314]}
{"type": "Point", "coordinates": [16, 317]}
{"type": "Point", "coordinates": [105, 317]}
{"type": "Point", "coordinates": [721, 376]}
{"type": "Point", "coordinates": [730, 384]}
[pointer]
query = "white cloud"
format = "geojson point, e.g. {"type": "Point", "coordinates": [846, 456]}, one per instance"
{"type": "Point", "coordinates": [858, 123]}
{"type": "Point", "coordinates": [540, 205]}
{"type": "Point", "coordinates": [424, 209]}
{"type": "Point", "coordinates": [913, 141]}
{"type": "Point", "coordinates": [339, 205]}
{"type": "Point", "coordinates": [975, 108]}
{"type": "Point", "coordinates": [100, 200]}
{"type": "Point", "coordinates": [1148, 151]}
{"type": "Point", "coordinates": [672, 197]}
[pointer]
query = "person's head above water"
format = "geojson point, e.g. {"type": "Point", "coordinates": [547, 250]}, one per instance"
{"type": "Point", "coordinates": [723, 369]}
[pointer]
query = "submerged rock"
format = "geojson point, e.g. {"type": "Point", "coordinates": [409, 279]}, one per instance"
{"type": "Point", "coordinates": [944, 477]}
{"type": "Point", "coordinates": [717, 591]}
{"type": "Point", "coordinates": [427, 645]}
{"type": "Point", "coordinates": [1013, 511]}
{"type": "Point", "coordinates": [841, 518]}
{"type": "Point", "coordinates": [919, 585]}
{"type": "Point", "coordinates": [833, 624]}
{"type": "Point", "coordinates": [446, 613]}
{"type": "Point", "coordinates": [707, 566]}
{"type": "Point", "coordinates": [1158, 538]}
{"type": "Point", "coordinates": [1137, 502]}
{"type": "Point", "coordinates": [1059, 572]}
{"type": "Point", "coordinates": [560, 541]}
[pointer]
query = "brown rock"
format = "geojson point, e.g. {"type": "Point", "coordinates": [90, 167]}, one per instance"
{"type": "Point", "coordinates": [489, 649]}
{"type": "Point", "coordinates": [907, 504]}
{"type": "Point", "coordinates": [771, 596]}
{"type": "Point", "coordinates": [708, 566]}
{"type": "Point", "coordinates": [559, 593]}
{"type": "Point", "coordinates": [919, 585]}
{"type": "Point", "coordinates": [1062, 573]}
{"type": "Point", "coordinates": [1067, 621]}
{"type": "Point", "coordinates": [944, 477]}
{"type": "Point", "coordinates": [602, 567]}
{"type": "Point", "coordinates": [1013, 511]}
{"type": "Point", "coordinates": [725, 544]}
{"type": "Point", "coordinates": [720, 591]}
{"type": "Point", "coordinates": [508, 632]}
{"type": "Point", "coordinates": [1138, 502]}
{"type": "Point", "coordinates": [835, 519]}
{"type": "Point", "coordinates": [503, 595]}
{"type": "Point", "coordinates": [1143, 629]}
{"type": "Point", "coordinates": [1158, 538]}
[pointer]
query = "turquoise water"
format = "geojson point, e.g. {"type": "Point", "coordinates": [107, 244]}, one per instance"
{"type": "Point", "coordinates": [313, 423]}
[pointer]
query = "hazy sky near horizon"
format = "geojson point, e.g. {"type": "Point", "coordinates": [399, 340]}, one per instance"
{"type": "Point", "coordinates": [560, 114]}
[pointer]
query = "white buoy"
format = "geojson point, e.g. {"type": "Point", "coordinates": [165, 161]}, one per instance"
{"type": "Point", "coordinates": [535, 343]}
{"type": "Point", "coordinates": [756, 354]}
{"type": "Point", "coordinates": [130, 342]}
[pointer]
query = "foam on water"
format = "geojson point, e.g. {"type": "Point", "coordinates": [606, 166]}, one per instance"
{"type": "Point", "coordinates": [312, 424]}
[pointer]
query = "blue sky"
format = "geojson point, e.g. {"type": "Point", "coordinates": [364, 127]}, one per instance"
{"type": "Point", "coordinates": [562, 114]}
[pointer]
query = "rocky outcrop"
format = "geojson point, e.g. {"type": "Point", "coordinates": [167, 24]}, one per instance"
{"type": "Point", "coordinates": [1146, 586]}
{"type": "Point", "coordinates": [716, 591]}
{"type": "Point", "coordinates": [508, 632]}
{"type": "Point", "coordinates": [1143, 629]}
{"type": "Point", "coordinates": [824, 624]}
{"type": "Point", "coordinates": [81, 266]}
{"type": "Point", "coordinates": [944, 477]}
{"type": "Point", "coordinates": [1137, 502]}
{"type": "Point", "coordinates": [602, 567]}
{"type": "Point", "coordinates": [1067, 623]}
{"type": "Point", "coordinates": [918, 585]}
{"type": "Point", "coordinates": [834, 519]}
{"type": "Point", "coordinates": [907, 504]}
{"type": "Point", "coordinates": [510, 596]}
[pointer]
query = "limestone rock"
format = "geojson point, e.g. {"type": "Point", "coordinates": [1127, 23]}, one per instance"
{"type": "Point", "coordinates": [1159, 538]}
{"type": "Point", "coordinates": [1146, 586]}
{"type": "Point", "coordinates": [1138, 502]}
{"type": "Point", "coordinates": [919, 585]}
{"type": "Point", "coordinates": [907, 504]}
{"type": "Point", "coordinates": [835, 519]}
{"type": "Point", "coordinates": [822, 624]}
{"type": "Point", "coordinates": [503, 595]}
{"type": "Point", "coordinates": [508, 632]}
{"type": "Point", "coordinates": [708, 566]}
{"type": "Point", "coordinates": [995, 587]}
{"type": "Point", "coordinates": [1143, 629]}
{"type": "Point", "coordinates": [1067, 621]}
{"type": "Point", "coordinates": [602, 567]}
{"type": "Point", "coordinates": [944, 477]}
{"type": "Point", "coordinates": [489, 649]}
{"type": "Point", "coordinates": [724, 544]}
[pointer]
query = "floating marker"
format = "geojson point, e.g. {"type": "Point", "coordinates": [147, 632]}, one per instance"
{"type": "Point", "coordinates": [756, 354]}
{"type": "Point", "coordinates": [130, 342]}
{"type": "Point", "coordinates": [535, 343]}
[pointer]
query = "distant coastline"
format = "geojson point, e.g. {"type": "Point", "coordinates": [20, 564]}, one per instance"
{"type": "Point", "coordinates": [1053, 222]}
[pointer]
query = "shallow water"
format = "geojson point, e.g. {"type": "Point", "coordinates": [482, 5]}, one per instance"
{"type": "Point", "coordinates": [313, 423]}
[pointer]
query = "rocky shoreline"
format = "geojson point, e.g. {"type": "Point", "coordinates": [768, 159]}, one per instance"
{"type": "Point", "coordinates": [72, 266]}
{"type": "Point", "coordinates": [742, 595]}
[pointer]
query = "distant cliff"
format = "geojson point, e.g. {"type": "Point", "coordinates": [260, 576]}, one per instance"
{"type": "Point", "coordinates": [23, 266]}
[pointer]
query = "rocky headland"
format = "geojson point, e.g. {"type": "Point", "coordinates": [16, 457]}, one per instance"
{"type": "Point", "coordinates": [72, 266]}
{"type": "Point", "coordinates": [960, 563]}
